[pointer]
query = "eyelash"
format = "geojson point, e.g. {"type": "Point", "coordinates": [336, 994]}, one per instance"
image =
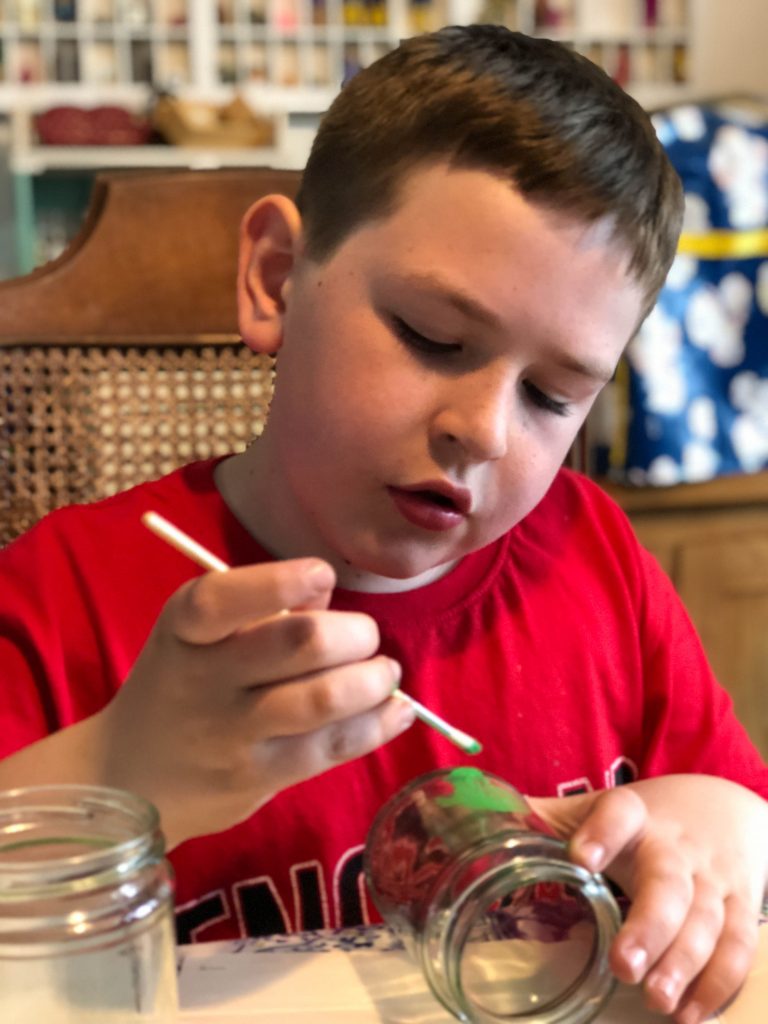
{"type": "Point", "coordinates": [544, 401]}
{"type": "Point", "coordinates": [425, 346]}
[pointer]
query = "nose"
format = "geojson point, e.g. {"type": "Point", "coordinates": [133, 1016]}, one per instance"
{"type": "Point", "coordinates": [475, 412]}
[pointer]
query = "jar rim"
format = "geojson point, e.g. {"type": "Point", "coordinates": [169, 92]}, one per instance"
{"type": "Point", "coordinates": [135, 832]}
{"type": "Point", "coordinates": [583, 998]}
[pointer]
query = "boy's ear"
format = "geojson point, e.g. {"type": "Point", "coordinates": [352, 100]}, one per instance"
{"type": "Point", "coordinates": [270, 239]}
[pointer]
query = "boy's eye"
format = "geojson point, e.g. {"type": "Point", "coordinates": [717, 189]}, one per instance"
{"type": "Point", "coordinates": [422, 344]}
{"type": "Point", "coordinates": [543, 401]}
{"type": "Point", "coordinates": [426, 346]}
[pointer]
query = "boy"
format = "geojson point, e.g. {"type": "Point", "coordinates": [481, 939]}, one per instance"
{"type": "Point", "coordinates": [483, 222]}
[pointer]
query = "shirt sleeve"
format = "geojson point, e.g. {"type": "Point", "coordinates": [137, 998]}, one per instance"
{"type": "Point", "coordinates": [27, 644]}
{"type": "Point", "coordinates": [53, 667]}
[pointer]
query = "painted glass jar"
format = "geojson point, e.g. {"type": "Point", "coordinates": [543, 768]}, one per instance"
{"type": "Point", "coordinates": [86, 924]}
{"type": "Point", "coordinates": [503, 925]}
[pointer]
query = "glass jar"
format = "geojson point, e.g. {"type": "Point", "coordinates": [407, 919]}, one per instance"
{"type": "Point", "coordinates": [86, 922]}
{"type": "Point", "coordinates": [485, 900]}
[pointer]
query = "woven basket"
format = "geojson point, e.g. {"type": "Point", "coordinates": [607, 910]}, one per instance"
{"type": "Point", "coordinates": [235, 125]}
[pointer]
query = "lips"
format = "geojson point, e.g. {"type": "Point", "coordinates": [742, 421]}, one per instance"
{"type": "Point", "coordinates": [432, 505]}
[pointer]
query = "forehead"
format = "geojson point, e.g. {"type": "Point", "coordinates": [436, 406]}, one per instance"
{"type": "Point", "coordinates": [480, 237]}
{"type": "Point", "coordinates": [434, 197]}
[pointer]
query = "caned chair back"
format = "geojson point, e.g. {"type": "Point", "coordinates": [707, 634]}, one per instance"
{"type": "Point", "coordinates": [121, 359]}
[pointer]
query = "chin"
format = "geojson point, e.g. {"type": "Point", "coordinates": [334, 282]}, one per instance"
{"type": "Point", "coordinates": [397, 567]}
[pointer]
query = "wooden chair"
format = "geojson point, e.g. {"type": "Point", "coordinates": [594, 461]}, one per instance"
{"type": "Point", "coordinates": [121, 359]}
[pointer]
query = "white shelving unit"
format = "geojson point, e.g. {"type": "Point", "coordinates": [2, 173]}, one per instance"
{"type": "Point", "coordinates": [294, 54]}
{"type": "Point", "coordinates": [286, 58]}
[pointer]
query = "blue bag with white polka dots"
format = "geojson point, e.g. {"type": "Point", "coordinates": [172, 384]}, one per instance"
{"type": "Point", "coordinates": [696, 375]}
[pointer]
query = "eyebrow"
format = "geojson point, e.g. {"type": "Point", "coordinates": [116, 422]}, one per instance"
{"type": "Point", "coordinates": [465, 304]}
{"type": "Point", "coordinates": [474, 310]}
{"type": "Point", "coordinates": [595, 371]}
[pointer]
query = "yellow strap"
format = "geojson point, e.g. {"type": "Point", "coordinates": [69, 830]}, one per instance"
{"type": "Point", "coordinates": [717, 245]}
{"type": "Point", "coordinates": [617, 452]}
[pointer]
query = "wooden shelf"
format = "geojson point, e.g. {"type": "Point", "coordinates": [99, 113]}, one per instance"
{"type": "Point", "coordinates": [38, 159]}
{"type": "Point", "coordinates": [741, 490]}
{"type": "Point", "coordinates": [286, 58]}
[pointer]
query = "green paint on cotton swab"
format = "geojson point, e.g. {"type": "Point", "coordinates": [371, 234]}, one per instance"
{"type": "Point", "coordinates": [458, 737]}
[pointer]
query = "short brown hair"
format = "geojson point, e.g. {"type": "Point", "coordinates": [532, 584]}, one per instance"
{"type": "Point", "coordinates": [527, 109]}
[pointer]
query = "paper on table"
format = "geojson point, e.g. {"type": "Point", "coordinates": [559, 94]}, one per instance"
{"type": "Point", "coordinates": [239, 983]}
{"type": "Point", "coordinates": [364, 986]}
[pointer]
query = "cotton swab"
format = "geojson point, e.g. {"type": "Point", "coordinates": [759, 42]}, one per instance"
{"type": "Point", "coordinates": [460, 739]}
{"type": "Point", "coordinates": [160, 526]}
{"type": "Point", "coordinates": [183, 542]}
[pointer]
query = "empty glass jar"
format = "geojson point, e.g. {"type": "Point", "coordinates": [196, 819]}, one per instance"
{"type": "Point", "coordinates": [86, 927]}
{"type": "Point", "coordinates": [503, 925]}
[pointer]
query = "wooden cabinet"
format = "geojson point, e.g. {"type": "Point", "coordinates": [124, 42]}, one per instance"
{"type": "Point", "coordinates": [712, 540]}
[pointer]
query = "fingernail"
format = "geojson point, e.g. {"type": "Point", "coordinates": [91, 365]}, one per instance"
{"type": "Point", "coordinates": [692, 1014]}
{"type": "Point", "coordinates": [636, 958]}
{"type": "Point", "coordinates": [668, 986]}
{"type": "Point", "coordinates": [406, 716]}
{"type": "Point", "coordinates": [320, 576]}
{"type": "Point", "coordinates": [592, 855]}
{"type": "Point", "coordinates": [397, 672]}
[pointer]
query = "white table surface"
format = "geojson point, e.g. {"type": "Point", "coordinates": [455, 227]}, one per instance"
{"type": "Point", "coordinates": [313, 981]}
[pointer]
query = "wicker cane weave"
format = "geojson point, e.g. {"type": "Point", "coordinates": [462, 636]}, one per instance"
{"type": "Point", "coordinates": [120, 360]}
{"type": "Point", "coordinates": [81, 422]}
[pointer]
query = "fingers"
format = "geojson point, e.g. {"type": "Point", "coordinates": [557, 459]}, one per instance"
{"type": "Point", "coordinates": [614, 824]}
{"type": "Point", "coordinates": [299, 757]}
{"type": "Point", "coordinates": [687, 938]}
{"type": "Point", "coordinates": [246, 685]}
{"type": "Point", "coordinates": [317, 701]}
{"type": "Point", "coordinates": [563, 815]}
{"type": "Point", "coordinates": [707, 959]}
{"type": "Point", "coordinates": [663, 891]}
{"type": "Point", "coordinates": [727, 967]}
{"type": "Point", "coordinates": [262, 676]}
{"type": "Point", "coordinates": [289, 646]}
{"type": "Point", "coordinates": [683, 849]}
{"type": "Point", "coordinates": [216, 605]}
{"type": "Point", "coordinates": [688, 941]}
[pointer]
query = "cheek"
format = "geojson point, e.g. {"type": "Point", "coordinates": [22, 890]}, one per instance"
{"type": "Point", "coordinates": [523, 481]}
{"type": "Point", "coordinates": [329, 429]}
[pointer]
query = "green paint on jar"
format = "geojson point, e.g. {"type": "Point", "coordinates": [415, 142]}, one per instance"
{"type": "Point", "coordinates": [476, 791]}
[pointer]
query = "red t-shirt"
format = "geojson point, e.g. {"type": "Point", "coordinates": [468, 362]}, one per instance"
{"type": "Point", "coordinates": [562, 647]}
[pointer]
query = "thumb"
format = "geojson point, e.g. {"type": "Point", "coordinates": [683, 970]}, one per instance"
{"type": "Point", "coordinates": [563, 814]}
{"type": "Point", "coordinates": [598, 827]}
{"type": "Point", "coordinates": [317, 602]}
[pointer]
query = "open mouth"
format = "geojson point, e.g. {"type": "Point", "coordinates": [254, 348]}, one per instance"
{"type": "Point", "coordinates": [439, 499]}
{"type": "Point", "coordinates": [431, 508]}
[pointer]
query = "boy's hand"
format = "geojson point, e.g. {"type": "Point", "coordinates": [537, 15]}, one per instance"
{"type": "Point", "coordinates": [691, 852]}
{"type": "Point", "coordinates": [232, 700]}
